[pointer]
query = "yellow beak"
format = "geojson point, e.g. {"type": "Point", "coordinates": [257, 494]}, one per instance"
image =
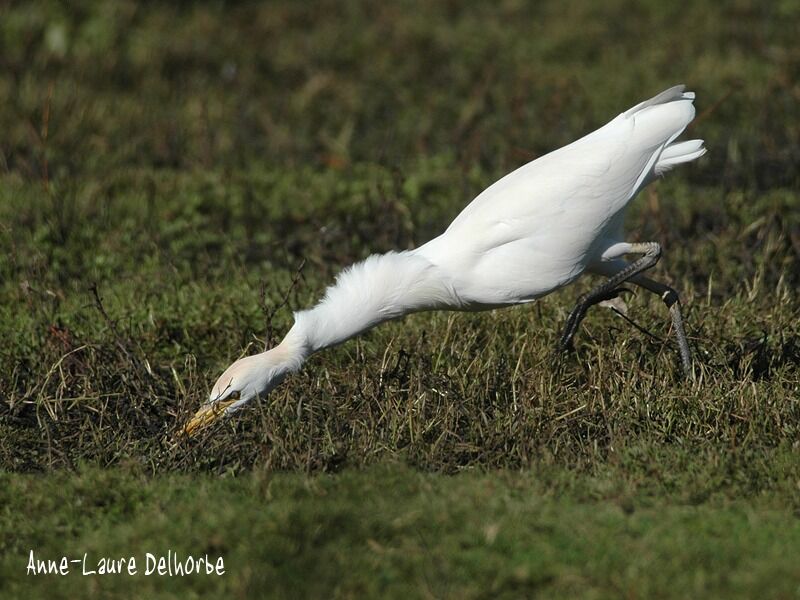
{"type": "Point", "coordinates": [207, 415]}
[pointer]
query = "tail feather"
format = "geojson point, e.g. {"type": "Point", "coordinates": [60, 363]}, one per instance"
{"type": "Point", "coordinates": [674, 93]}
{"type": "Point", "coordinates": [657, 122]}
{"type": "Point", "coordinates": [677, 153]}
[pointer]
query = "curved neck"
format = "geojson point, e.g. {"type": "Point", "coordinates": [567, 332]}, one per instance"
{"type": "Point", "coordinates": [381, 288]}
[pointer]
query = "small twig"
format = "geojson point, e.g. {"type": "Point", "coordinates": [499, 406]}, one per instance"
{"type": "Point", "coordinates": [270, 312]}
{"type": "Point", "coordinates": [572, 412]}
{"type": "Point", "coordinates": [98, 302]}
{"type": "Point", "coordinates": [43, 135]}
{"type": "Point", "coordinates": [636, 325]}
{"type": "Point", "coordinates": [711, 109]}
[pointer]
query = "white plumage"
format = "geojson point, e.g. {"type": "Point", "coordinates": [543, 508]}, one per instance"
{"type": "Point", "coordinates": [541, 226]}
{"type": "Point", "coordinates": [530, 233]}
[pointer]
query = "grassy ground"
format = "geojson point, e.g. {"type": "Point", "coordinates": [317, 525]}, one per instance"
{"type": "Point", "coordinates": [174, 181]}
{"type": "Point", "coordinates": [499, 534]}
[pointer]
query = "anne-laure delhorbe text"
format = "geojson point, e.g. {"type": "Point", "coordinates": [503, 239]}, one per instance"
{"type": "Point", "coordinates": [158, 564]}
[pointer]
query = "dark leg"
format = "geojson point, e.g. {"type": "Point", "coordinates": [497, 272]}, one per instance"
{"type": "Point", "coordinates": [650, 251]}
{"type": "Point", "coordinates": [670, 297]}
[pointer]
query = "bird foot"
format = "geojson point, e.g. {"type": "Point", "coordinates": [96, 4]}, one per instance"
{"type": "Point", "coordinates": [562, 350]}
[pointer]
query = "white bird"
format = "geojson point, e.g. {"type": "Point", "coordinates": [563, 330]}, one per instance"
{"type": "Point", "coordinates": [532, 232]}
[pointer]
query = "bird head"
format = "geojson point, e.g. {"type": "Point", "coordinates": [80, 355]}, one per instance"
{"type": "Point", "coordinates": [248, 378]}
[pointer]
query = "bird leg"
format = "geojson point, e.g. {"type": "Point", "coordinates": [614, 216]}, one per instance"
{"type": "Point", "coordinates": [670, 297]}
{"type": "Point", "coordinates": [650, 251]}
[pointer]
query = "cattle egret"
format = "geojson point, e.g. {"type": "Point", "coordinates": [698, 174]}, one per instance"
{"type": "Point", "coordinates": [532, 232]}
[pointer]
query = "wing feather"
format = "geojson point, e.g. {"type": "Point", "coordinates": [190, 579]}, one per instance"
{"type": "Point", "coordinates": [538, 227]}
{"type": "Point", "coordinates": [589, 180]}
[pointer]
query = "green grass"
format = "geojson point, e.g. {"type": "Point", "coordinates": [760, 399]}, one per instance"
{"type": "Point", "coordinates": [166, 170]}
{"type": "Point", "coordinates": [475, 535]}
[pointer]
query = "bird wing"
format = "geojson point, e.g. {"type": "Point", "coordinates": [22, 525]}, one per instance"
{"type": "Point", "coordinates": [538, 228]}
{"type": "Point", "coordinates": [577, 190]}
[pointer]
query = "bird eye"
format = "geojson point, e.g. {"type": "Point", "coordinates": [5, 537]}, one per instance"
{"type": "Point", "coordinates": [234, 395]}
